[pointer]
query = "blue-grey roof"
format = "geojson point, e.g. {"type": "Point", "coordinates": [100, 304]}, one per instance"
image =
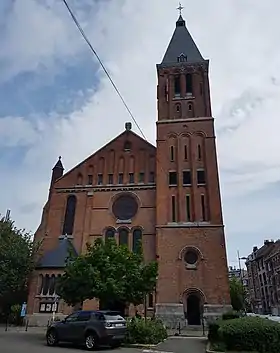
{"type": "Point", "coordinates": [56, 258]}
{"type": "Point", "coordinates": [181, 43]}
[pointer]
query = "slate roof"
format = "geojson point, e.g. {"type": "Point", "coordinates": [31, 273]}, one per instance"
{"type": "Point", "coordinates": [56, 258]}
{"type": "Point", "coordinates": [181, 43]}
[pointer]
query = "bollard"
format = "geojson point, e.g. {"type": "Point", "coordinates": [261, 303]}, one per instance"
{"type": "Point", "coordinates": [6, 327]}
{"type": "Point", "coordinates": [26, 325]}
{"type": "Point", "coordinates": [179, 328]}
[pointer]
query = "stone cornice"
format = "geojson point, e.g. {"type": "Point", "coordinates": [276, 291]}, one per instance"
{"type": "Point", "coordinates": [188, 120]}
{"type": "Point", "coordinates": [191, 225]}
{"type": "Point", "coordinates": [104, 188]}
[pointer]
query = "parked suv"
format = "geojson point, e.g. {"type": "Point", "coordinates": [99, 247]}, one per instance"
{"type": "Point", "coordinates": [90, 328]}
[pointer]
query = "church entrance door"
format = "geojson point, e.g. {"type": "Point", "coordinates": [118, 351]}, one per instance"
{"type": "Point", "coordinates": [193, 309]}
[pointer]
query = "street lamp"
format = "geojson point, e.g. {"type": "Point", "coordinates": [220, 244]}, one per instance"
{"type": "Point", "coordinates": [241, 275]}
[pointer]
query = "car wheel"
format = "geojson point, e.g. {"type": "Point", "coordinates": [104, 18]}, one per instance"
{"type": "Point", "coordinates": [52, 338]}
{"type": "Point", "coordinates": [90, 341]}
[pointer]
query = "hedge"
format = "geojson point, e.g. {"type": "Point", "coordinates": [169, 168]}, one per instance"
{"type": "Point", "coordinates": [145, 331]}
{"type": "Point", "coordinates": [231, 315]}
{"type": "Point", "coordinates": [247, 333]}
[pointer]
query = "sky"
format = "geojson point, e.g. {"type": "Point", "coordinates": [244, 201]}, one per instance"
{"type": "Point", "coordinates": [55, 99]}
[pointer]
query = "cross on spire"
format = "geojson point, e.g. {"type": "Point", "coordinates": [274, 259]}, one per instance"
{"type": "Point", "coordinates": [180, 8]}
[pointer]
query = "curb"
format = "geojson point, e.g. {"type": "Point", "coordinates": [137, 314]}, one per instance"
{"type": "Point", "coordinates": [136, 345]}
{"type": "Point", "coordinates": [208, 350]}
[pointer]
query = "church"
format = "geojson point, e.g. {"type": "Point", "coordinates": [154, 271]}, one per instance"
{"type": "Point", "coordinates": [167, 196]}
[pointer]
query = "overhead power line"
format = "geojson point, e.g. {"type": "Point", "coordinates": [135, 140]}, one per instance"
{"type": "Point", "coordinates": [102, 65]}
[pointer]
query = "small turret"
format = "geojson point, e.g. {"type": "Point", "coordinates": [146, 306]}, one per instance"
{"type": "Point", "coordinates": [57, 171]}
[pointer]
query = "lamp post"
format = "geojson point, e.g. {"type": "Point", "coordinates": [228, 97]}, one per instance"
{"type": "Point", "coordinates": [241, 275]}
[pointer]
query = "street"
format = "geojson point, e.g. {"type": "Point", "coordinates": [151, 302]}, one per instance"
{"type": "Point", "coordinates": [30, 342]}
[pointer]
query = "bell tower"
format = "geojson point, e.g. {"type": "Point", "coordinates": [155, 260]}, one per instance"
{"type": "Point", "coordinates": [193, 275]}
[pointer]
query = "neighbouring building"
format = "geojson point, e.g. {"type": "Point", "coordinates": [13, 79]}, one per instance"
{"type": "Point", "coordinates": [167, 195]}
{"type": "Point", "coordinates": [263, 267]}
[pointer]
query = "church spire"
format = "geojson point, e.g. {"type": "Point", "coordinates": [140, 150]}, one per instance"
{"type": "Point", "coordinates": [57, 171]}
{"type": "Point", "coordinates": [182, 45]}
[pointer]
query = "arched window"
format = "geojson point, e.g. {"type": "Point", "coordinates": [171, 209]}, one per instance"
{"type": "Point", "coordinates": [123, 236]}
{"type": "Point", "coordinates": [199, 152]}
{"type": "Point", "coordinates": [110, 233]}
{"type": "Point", "coordinates": [189, 84]}
{"type": "Point", "coordinates": [172, 153]}
{"type": "Point", "coordinates": [69, 215]}
{"type": "Point", "coordinates": [52, 285]}
{"type": "Point", "coordinates": [79, 179]}
{"type": "Point", "coordinates": [40, 284]}
{"type": "Point", "coordinates": [137, 240]}
{"type": "Point", "coordinates": [190, 110]}
{"type": "Point", "coordinates": [46, 285]}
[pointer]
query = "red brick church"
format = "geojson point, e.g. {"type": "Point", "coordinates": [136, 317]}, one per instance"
{"type": "Point", "coordinates": [166, 195]}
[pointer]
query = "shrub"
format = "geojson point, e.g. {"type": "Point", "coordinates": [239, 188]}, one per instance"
{"type": "Point", "coordinates": [250, 334]}
{"type": "Point", "coordinates": [231, 315]}
{"type": "Point", "coordinates": [145, 331]}
{"type": "Point", "coordinates": [213, 328]}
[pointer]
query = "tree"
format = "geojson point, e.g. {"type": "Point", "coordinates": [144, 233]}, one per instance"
{"type": "Point", "coordinates": [237, 294]}
{"type": "Point", "coordinates": [17, 260]}
{"type": "Point", "coordinates": [108, 272]}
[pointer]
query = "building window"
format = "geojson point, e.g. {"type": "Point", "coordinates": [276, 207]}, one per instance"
{"type": "Point", "coordinates": [120, 180]}
{"type": "Point", "coordinates": [185, 152]}
{"type": "Point", "coordinates": [177, 86]}
{"type": "Point", "coordinates": [187, 177]}
{"type": "Point", "coordinates": [178, 108]}
{"type": "Point", "coordinates": [90, 179]}
{"type": "Point", "coordinates": [136, 240]}
{"type": "Point", "coordinates": [123, 236]}
{"type": "Point", "coordinates": [190, 110]}
{"type": "Point", "coordinates": [110, 179]}
{"type": "Point", "coordinates": [150, 301]}
{"type": "Point", "coordinates": [172, 153]}
{"type": "Point", "coordinates": [172, 178]}
{"type": "Point", "coordinates": [182, 58]}
{"type": "Point", "coordinates": [100, 179]}
{"type": "Point", "coordinates": [131, 178]}
{"type": "Point", "coordinates": [189, 84]}
{"type": "Point", "coordinates": [173, 209]}
{"type": "Point", "coordinates": [79, 179]}
{"type": "Point", "coordinates": [201, 88]}
{"type": "Point", "coordinates": [188, 208]}
{"type": "Point", "coordinates": [201, 177]}
{"type": "Point", "coordinates": [110, 233]}
{"type": "Point", "coordinates": [69, 217]}
{"type": "Point", "coordinates": [125, 207]}
{"type": "Point", "coordinates": [141, 177]}
{"type": "Point", "coordinates": [203, 213]}
{"type": "Point", "coordinates": [199, 152]}
{"type": "Point", "coordinates": [152, 177]}
{"type": "Point", "coordinates": [46, 285]}
{"type": "Point", "coordinates": [191, 257]}
{"type": "Point", "coordinates": [52, 285]}
{"type": "Point", "coordinates": [127, 146]}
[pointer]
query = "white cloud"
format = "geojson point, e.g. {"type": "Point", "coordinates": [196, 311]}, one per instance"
{"type": "Point", "coordinates": [131, 37]}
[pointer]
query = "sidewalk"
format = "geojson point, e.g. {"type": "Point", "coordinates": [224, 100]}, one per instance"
{"type": "Point", "coordinates": [22, 329]}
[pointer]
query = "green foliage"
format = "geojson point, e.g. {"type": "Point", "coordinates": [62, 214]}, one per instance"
{"type": "Point", "coordinates": [213, 328]}
{"type": "Point", "coordinates": [17, 259]}
{"type": "Point", "coordinates": [108, 272]}
{"type": "Point", "coordinates": [145, 331]}
{"type": "Point", "coordinates": [237, 294]}
{"type": "Point", "coordinates": [250, 334]}
{"type": "Point", "coordinates": [231, 315]}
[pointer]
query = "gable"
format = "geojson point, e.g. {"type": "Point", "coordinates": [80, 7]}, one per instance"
{"type": "Point", "coordinates": [119, 154]}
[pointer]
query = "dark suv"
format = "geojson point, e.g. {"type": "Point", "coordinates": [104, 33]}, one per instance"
{"type": "Point", "coordinates": [90, 328]}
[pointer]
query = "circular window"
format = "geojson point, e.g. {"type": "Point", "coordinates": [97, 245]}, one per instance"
{"type": "Point", "coordinates": [125, 207]}
{"type": "Point", "coordinates": [190, 257]}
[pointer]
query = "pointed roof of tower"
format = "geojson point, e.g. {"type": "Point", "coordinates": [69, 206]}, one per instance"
{"type": "Point", "coordinates": [182, 43]}
{"type": "Point", "coordinates": [59, 164]}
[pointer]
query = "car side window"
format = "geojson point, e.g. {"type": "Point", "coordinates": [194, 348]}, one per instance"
{"type": "Point", "coordinates": [84, 316]}
{"type": "Point", "coordinates": [72, 317]}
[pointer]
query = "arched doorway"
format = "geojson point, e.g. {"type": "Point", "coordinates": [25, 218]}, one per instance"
{"type": "Point", "coordinates": [194, 309]}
